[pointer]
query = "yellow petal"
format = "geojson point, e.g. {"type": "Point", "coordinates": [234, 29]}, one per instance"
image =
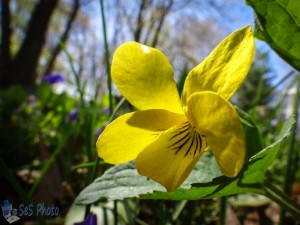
{"type": "Point", "coordinates": [171, 157]}
{"type": "Point", "coordinates": [219, 122]}
{"type": "Point", "coordinates": [145, 77]}
{"type": "Point", "coordinates": [124, 138]}
{"type": "Point", "coordinates": [225, 68]}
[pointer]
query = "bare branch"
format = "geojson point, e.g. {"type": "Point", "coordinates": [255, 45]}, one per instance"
{"type": "Point", "coordinates": [64, 37]}
{"type": "Point", "coordinates": [164, 11]}
{"type": "Point", "coordinates": [139, 22]}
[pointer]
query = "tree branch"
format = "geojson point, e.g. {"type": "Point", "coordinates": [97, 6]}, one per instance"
{"type": "Point", "coordinates": [164, 11]}
{"type": "Point", "coordinates": [64, 37]}
{"type": "Point", "coordinates": [140, 22]}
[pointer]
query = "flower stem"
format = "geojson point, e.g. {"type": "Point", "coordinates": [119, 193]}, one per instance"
{"type": "Point", "coordinates": [107, 57]}
{"type": "Point", "coordinates": [223, 207]}
{"type": "Point", "coordinates": [178, 210]}
{"type": "Point", "coordinates": [109, 85]}
{"type": "Point", "coordinates": [290, 170]}
{"type": "Point", "coordinates": [113, 114]}
{"type": "Point", "coordinates": [75, 74]}
{"type": "Point", "coordinates": [282, 199]}
{"type": "Point", "coordinates": [116, 220]}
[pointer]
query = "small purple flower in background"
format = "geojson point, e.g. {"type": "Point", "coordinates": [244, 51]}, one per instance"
{"type": "Point", "coordinates": [87, 103]}
{"type": "Point", "coordinates": [91, 219]}
{"type": "Point", "coordinates": [274, 122]}
{"type": "Point", "coordinates": [98, 132]}
{"type": "Point", "coordinates": [106, 111]}
{"type": "Point", "coordinates": [73, 115]}
{"type": "Point", "coordinates": [53, 78]}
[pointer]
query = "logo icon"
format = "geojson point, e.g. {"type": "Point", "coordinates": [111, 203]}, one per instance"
{"type": "Point", "coordinates": [8, 212]}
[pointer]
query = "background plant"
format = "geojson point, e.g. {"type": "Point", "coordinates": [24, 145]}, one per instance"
{"type": "Point", "coordinates": [48, 131]}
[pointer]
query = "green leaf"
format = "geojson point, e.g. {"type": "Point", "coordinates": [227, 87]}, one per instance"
{"type": "Point", "coordinates": [278, 23]}
{"type": "Point", "coordinates": [123, 181]}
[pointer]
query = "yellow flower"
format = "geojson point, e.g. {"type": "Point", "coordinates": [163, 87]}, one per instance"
{"type": "Point", "coordinates": [167, 135]}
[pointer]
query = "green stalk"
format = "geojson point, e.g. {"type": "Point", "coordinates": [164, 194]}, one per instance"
{"type": "Point", "coordinates": [89, 125]}
{"type": "Point", "coordinates": [111, 108]}
{"type": "Point", "coordinates": [281, 199]}
{"type": "Point", "coordinates": [107, 57]}
{"type": "Point", "coordinates": [182, 76]}
{"type": "Point", "coordinates": [45, 169]}
{"type": "Point", "coordinates": [89, 131]}
{"type": "Point", "coordinates": [178, 210]}
{"type": "Point", "coordinates": [105, 216]}
{"type": "Point", "coordinates": [113, 114]}
{"type": "Point", "coordinates": [115, 211]}
{"type": "Point", "coordinates": [162, 213]}
{"type": "Point", "coordinates": [258, 94]}
{"type": "Point", "coordinates": [223, 207]}
{"type": "Point", "coordinates": [97, 161]}
{"type": "Point", "coordinates": [289, 173]}
{"type": "Point", "coordinates": [87, 165]}
{"type": "Point", "coordinates": [49, 161]}
{"type": "Point", "coordinates": [77, 81]}
{"type": "Point", "coordinates": [275, 86]}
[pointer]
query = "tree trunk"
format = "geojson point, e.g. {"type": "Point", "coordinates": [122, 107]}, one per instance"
{"type": "Point", "coordinates": [5, 41]}
{"type": "Point", "coordinates": [23, 68]}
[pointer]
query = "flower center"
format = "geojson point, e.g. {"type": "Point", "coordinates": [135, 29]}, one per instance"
{"type": "Point", "coordinates": [187, 140]}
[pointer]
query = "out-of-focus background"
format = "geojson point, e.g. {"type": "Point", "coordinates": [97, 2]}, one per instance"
{"type": "Point", "coordinates": [54, 96]}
